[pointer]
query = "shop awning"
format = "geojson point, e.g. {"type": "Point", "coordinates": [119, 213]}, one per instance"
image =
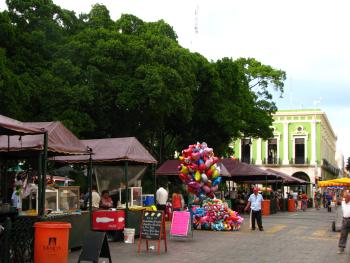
{"type": "Point", "coordinates": [10, 126]}
{"type": "Point", "coordinates": [335, 182]}
{"type": "Point", "coordinates": [112, 150]}
{"type": "Point", "coordinates": [60, 139]}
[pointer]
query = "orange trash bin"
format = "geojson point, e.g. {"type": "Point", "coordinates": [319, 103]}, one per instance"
{"type": "Point", "coordinates": [291, 205]}
{"type": "Point", "coordinates": [265, 207]}
{"type": "Point", "coordinates": [51, 242]}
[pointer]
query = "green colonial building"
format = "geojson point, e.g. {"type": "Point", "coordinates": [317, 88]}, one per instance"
{"type": "Point", "coordinates": [303, 145]}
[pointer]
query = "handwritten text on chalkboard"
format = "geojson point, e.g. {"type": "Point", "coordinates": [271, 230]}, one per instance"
{"type": "Point", "coordinates": [151, 224]}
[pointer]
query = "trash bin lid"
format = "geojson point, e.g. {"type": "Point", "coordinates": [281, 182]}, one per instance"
{"type": "Point", "coordinates": [52, 225]}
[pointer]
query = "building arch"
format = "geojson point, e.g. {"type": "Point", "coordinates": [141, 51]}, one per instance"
{"type": "Point", "coordinates": [303, 188]}
{"type": "Point", "coordinates": [302, 175]}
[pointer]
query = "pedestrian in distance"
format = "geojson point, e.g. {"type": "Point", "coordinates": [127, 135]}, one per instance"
{"type": "Point", "coordinates": [254, 203]}
{"type": "Point", "coordinates": [318, 197]}
{"type": "Point", "coordinates": [345, 228]}
{"type": "Point", "coordinates": [304, 201]}
{"type": "Point", "coordinates": [329, 198]}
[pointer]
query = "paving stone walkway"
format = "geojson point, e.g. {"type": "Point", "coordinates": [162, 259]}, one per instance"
{"type": "Point", "coordinates": [288, 237]}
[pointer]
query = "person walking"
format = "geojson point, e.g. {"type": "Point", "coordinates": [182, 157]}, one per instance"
{"type": "Point", "coordinates": [329, 198]}
{"type": "Point", "coordinates": [254, 203]}
{"type": "Point", "coordinates": [318, 197]}
{"type": "Point", "coordinates": [345, 228]}
{"type": "Point", "coordinates": [161, 198]}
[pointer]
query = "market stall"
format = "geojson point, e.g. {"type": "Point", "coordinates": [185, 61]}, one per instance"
{"type": "Point", "coordinates": [9, 127]}
{"type": "Point", "coordinates": [48, 139]}
{"type": "Point", "coordinates": [118, 163]}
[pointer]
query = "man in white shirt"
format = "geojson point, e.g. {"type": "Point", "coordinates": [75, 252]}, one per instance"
{"type": "Point", "coordinates": [254, 203]}
{"type": "Point", "coordinates": [345, 228]}
{"type": "Point", "coordinates": [162, 198]}
{"type": "Point", "coordinates": [17, 198]}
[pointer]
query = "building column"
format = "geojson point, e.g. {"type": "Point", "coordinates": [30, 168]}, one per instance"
{"type": "Point", "coordinates": [313, 142]}
{"type": "Point", "coordinates": [258, 152]}
{"type": "Point", "coordinates": [285, 143]}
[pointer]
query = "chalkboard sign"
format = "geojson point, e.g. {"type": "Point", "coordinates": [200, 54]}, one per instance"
{"type": "Point", "coordinates": [153, 228]}
{"type": "Point", "coordinates": [151, 224]}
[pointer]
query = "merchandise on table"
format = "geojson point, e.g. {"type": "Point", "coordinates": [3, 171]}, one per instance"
{"type": "Point", "coordinates": [215, 215]}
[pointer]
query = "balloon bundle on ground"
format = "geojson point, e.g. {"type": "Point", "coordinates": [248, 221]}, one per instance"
{"type": "Point", "coordinates": [215, 215]}
{"type": "Point", "coordinates": [198, 170]}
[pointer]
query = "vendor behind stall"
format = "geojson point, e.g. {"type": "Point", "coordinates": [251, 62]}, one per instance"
{"type": "Point", "coordinates": [106, 200]}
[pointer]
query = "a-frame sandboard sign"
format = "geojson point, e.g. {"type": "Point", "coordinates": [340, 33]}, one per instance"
{"type": "Point", "coordinates": [95, 245]}
{"type": "Point", "coordinates": [181, 226]}
{"type": "Point", "coordinates": [153, 228]}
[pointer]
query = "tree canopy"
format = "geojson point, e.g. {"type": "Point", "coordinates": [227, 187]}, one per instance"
{"type": "Point", "coordinates": [106, 78]}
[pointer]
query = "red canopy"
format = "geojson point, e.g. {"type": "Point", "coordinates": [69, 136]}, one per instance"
{"type": "Point", "coordinates": [10, 126]}
{"type": "Point", "coordinates": [169, 168]}
{"type": "Point", "coordinates": [230, 169]}
{"type": "Point", "coordinates": [60, 139]}
{"type": "Point", "coordinates": [112, 150]}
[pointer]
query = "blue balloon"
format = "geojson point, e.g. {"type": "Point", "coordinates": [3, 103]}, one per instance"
{"type": "Point", "coordinates": [216, 181]}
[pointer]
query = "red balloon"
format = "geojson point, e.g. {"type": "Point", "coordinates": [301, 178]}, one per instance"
{"type": "Point", "coordinates": [209, 173]}
{"type": "Point", "coordinates": [202, 167]}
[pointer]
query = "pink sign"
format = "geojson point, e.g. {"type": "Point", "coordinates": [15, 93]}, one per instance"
{"type": "Point", "coordinates": [180, 223]}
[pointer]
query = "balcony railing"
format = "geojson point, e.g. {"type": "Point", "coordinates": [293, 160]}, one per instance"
{"type": "Point", "coordinates": [299, 160]}
{"type": "Point", "coordinates": [276, 161]}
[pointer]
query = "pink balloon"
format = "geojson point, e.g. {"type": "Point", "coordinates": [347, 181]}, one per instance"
{"type": "Point", "coordinates": [214, 188]}
{"type": "Point", "coordinates": [194, 185]}
{"type": "Point", "coordinates": [206, 189]}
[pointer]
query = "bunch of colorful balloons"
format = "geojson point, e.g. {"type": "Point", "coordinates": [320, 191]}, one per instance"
{"type": "Point", "coordinates": [215, 215]}
{"type": "Point", "coordinates": [199, 170]}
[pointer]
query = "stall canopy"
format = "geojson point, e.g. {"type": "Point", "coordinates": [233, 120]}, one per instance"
{"type": "Point", "coordinates": [230, 169]}
{"type": "Point", "coordinates": [169, 168]}
{"type": "Point", "coordinates": [287, 179]}
{"type": "Point", "coordinates": [60, 139]}
{"type": "Point", "coordinates": [10, 126]}
{"type": "Point", "coordinates": [108, 152]}
{"type": "Point", "coordinates": [240, 172]}
{"type": "Point", "coordinates": [335, 182]}
{"type": "Point", "coordinates": [112, 150]}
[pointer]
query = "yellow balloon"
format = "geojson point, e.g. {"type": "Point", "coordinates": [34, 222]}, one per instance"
{"type": "Point", "coordinates": [215, 174]}
{"type": "Point", "coordinates": [197, 176]}
{"type": "Point", "coordinates": [181, 158]}
{"type": "Point", "coordinates": [213, 167]}
{"type": "Point", "coordinates": [184, 169]}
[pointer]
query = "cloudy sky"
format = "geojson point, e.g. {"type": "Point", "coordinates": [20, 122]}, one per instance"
{"type": "Point", "coordinates": [309, 40]}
